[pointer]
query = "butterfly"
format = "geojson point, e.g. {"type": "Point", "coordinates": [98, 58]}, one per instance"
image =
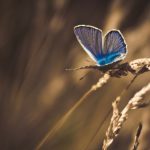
{"type": "Point", "coordinates": [104, 51]}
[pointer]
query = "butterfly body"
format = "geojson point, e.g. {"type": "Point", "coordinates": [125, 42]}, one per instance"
{"type": "Point", "coordinates": [111, 50]}
{"type": "Point", "coordinates": [107, 59]}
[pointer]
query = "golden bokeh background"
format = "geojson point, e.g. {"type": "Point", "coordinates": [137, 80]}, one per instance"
{"type": "Point", "coordinates": [37, 43]}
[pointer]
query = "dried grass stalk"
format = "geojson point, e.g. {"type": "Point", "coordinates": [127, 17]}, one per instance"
{"type": "Point", "coordinates": [121, 70]}
{"type": "Point", "coordinates": [139, 63]}
{"type": "Point", "coordinates": [118, 118]}
{"type": "Point", "coordinates": [136, 138]}
{"type": "Point", "coordinates": [102, 81]}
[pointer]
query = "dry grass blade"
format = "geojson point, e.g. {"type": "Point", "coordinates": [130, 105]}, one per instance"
{"type": "Point", "coordinates": [61, 122]}
{"type": "Point", "coordinates": [122, 70]}
{"type": "Point", "coordinates": [136, 139]}
{"type": "Point", "coordinates": [118, 118]}
{"type": "Point", "coordinates": [118, 98]}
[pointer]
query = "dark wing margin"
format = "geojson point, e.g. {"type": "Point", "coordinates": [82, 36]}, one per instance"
{"type": "Point", "coordinates": [90, 39]}
{"type": "Point", "coordinates": [115, 43]}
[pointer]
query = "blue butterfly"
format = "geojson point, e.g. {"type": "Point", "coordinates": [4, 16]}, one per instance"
{"type": "Point", "coordinates": [104, 52]}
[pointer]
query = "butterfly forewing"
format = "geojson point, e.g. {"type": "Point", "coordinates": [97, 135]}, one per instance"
{"type": "Point", "coordinates": [90, 39]}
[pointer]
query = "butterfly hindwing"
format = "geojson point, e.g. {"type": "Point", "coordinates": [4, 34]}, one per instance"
{"type": "Point", "coordinates": [90, 39]}
{"type": "Point", "coordinates": [114, 46]}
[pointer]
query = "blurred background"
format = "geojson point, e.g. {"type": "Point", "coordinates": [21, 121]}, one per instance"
{"type": "Point", "coordinates": [36, 44]}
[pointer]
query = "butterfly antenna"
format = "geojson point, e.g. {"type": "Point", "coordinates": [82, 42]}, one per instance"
{"type": "Point", "coordinates": [108, 113]}
{"type": "Point", "coordinates": [83, 67]}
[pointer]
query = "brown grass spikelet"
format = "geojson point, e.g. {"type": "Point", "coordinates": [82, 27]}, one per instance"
{"type": "Point", "coordinates": [118, 118]}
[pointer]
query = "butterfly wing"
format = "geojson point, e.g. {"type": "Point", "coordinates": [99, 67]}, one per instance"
{"type": "Point", "coordinates": [90, 39]}
{"type": "Point", "coordinates": [114, 48]}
